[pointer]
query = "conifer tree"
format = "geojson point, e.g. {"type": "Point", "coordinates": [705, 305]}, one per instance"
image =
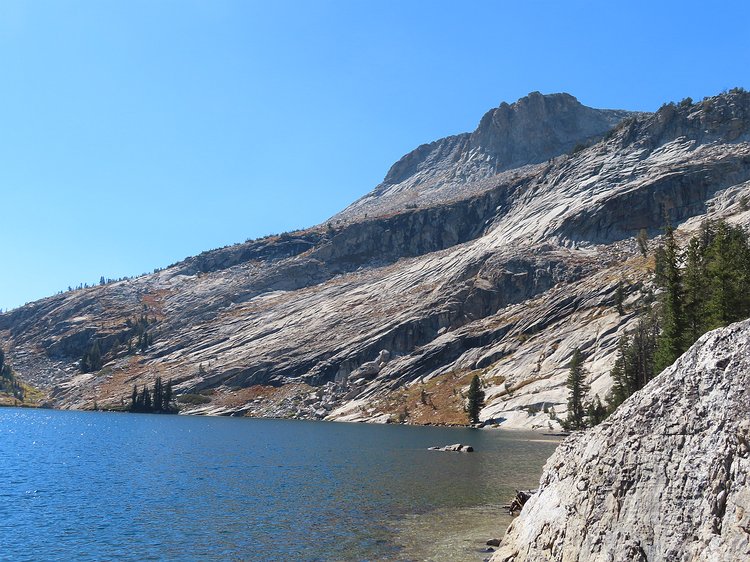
{"type": "Point", "coordinates": [641, 356]}
{"type": "Point", "coordinates": [475, 399]}
{"type": "Point", "coordinates": [695, 288]}
{"type": "Point", "coordinates": [146, 399]}
{"type": "Point", "coordinates": [158, 395]}
{"type": "Point", "coordinates": [671, 338]}
{"type": "Point", "coordinates": [620, 299]}
{"type": "Point", "coordinates": [577, 391]}
{"type": "Point", "coordinates": [168, 395]}
{"type": "Point", "coordinates": [596, 412]}
{"type": "Point", "coordinates": [620, 385]}
{"type": "Point", "coordinates": [642, 241]}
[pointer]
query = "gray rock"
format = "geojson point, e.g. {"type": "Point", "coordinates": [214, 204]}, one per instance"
{"type": "Point", "coordinates": [457, 448]}
{"type": "Point", "coordinates": [665, 478]}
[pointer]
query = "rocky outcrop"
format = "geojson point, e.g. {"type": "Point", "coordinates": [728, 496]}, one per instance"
{"type": "Point", "coordinates": [534, 129]}
{"type": "Point", "coordinates": [665, 478]}
{"type": "Point", "coordinates": [455, 448]}
{"type": "Point", "coordinates": [501, 277]}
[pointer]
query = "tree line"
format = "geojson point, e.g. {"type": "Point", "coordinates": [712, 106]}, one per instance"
{"type": "Point", "coordinates": [704, 285]}
{"type": "Point", "coordinates": [160, 400]}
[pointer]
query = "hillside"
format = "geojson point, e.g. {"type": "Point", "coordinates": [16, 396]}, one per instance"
{"type": "Point", "coordinates": [494, 253]}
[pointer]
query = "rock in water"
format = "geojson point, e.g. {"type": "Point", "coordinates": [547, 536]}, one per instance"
{"type": "Point", "coordinates": [665, 478]}
{"type": "Point", "coordinates": [457, 448]}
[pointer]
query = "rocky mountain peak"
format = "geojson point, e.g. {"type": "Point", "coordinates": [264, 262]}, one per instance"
{"type": "Point", "coordinates": [531, 130]}
{"type": "Point", "coordinates": [538, 127]}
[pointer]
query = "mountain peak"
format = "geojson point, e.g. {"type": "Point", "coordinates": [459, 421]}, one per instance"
{"type": "Point", "coordinates": [538, 127]}
{"type": "Point", "coordinates": [531, 130]}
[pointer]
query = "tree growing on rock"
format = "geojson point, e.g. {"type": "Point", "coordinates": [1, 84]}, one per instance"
{"type": "Point", "coordinates": [642, 241]}
{"type": "Point", "coordinates": [578, 388]}
{"type": "Point", "coordinates": [620, 298]}
{"type": "Point", "coordinates": [474, 399]}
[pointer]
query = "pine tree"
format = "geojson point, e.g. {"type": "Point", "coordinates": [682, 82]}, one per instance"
{"type": "Point", "coordinates": [475, 399]}
{"type": "Point", "coordinates": [642, 241]}
{"type": "Point", "coordinates": [95, 357]}
{"type": "Point", "coordinates": [577, 391]}
{"type": "Point", "coordinates": [620, 299]}
{"type": "Point", "coordinates": [695, 284]}
{"type": "Point", "coordinates": [596, 412]}
{"type": "Point", "coordinates": [168, 396]}
{"type": "Point", "coordinates": [640, 359]}
{"type": "Point", "coordinates": [146, 399]}
{"type": "Point", "coordinates": [671, 338]}
{"type": "Point", "coordinates": [620, 386]}
{"type": "Point", "coordinates": [134, 399]}
{"type": "Point", "coordinates": [158, 395]}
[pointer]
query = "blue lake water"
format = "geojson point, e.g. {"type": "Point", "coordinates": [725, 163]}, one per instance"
{"type": "Point", "coordinates": [107, 486]}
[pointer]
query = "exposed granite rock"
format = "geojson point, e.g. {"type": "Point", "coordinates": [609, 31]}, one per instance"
{"type": "Point", "coordinates": [532, 130]}
{"type": "Point", "coordinates": [503, 277]}
{"type": "Point", "coordinates": [455, 448]}
{"type": "Point", "coordinates": [665, 478]}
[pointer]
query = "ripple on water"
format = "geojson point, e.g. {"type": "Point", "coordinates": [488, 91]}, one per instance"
{"type": "Point", "coordinates": [93, 486]}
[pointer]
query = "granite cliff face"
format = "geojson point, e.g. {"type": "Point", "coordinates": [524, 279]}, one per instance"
{"type": "Point", "coordinates": [665, 478]}
{"type": "Point", "coordinates": [499, 265]}
{"type": "Point", "coordinates": [529, 131]}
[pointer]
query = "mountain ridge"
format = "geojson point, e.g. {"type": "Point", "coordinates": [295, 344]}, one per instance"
{"type": "Point", "coordinates": [503, 280]}
{"type": "Point", "coordinates": [532, 130]}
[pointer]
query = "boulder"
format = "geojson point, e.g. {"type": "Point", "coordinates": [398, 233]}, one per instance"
{"type": "Point", "coordinates": [665, 478]}
{"type": "Point", "coordinates": [457, 447]}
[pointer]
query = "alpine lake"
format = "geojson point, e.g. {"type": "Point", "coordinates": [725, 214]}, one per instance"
{"type": "Point", "coordinates": [110, 486]}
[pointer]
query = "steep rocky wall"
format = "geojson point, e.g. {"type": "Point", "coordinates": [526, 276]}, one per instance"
{"type": "Point", "coordinates": [663, 479]}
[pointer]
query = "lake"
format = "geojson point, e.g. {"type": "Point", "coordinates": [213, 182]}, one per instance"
{"type": "Point", "coordinates": [106, 486]}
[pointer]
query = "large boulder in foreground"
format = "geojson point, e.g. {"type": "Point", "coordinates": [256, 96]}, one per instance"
{"type": "Point", "coordinates": [663, 479]}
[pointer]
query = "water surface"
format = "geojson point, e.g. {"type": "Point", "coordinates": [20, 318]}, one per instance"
{"type": "Point", "coordinates": [104, 486]}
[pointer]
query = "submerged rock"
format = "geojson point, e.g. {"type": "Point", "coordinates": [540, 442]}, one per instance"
{"type": "Point", "coordinates": [665, 478]}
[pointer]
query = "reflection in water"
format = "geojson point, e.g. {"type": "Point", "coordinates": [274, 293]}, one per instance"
{"type": "Point", "coordinates": [93, 486]}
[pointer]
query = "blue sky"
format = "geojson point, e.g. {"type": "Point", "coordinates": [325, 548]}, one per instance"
{"type": "Point", "coordinates": [136, 133]}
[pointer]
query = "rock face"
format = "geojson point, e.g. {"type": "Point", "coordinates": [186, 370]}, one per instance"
{"type": "Point", "coordinates": [497, 257]}
{"type": "Point", "coordinates": [529, 131]}
{"type": "Point", "coordinates": [665, 478]}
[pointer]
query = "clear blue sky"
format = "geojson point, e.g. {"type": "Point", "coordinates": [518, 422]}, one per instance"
{"type": "Point", "coordinates": [135, 133]}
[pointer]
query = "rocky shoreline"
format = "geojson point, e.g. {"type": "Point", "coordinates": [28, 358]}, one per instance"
{"type": "Point", "coordinates": [665, 478]}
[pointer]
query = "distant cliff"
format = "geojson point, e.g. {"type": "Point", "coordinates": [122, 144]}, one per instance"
{"type": "Point", "coordinates": [663, 479]}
